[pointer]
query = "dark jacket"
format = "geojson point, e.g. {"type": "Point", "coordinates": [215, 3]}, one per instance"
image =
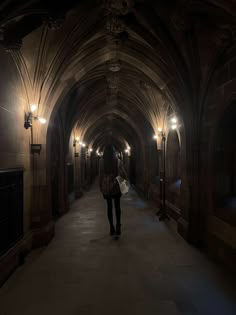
{"type": "Point", "coordinates": [108, 183]}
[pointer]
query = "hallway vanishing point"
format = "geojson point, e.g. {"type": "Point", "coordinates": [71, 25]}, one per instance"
{"type": "Point", "coordinates": [150, 270]}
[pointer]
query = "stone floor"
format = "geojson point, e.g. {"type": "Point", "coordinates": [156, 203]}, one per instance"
{"type": "Point", "coordinates": [150, 270]}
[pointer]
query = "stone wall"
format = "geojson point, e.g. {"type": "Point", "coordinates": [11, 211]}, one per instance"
{"type": "Point", "coordinates": [220, 227]}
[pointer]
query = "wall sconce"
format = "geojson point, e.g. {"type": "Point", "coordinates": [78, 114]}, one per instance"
{"type": "Point", "coordinates": [174, 123]}
{"type": "Point", "coordinates": [30, 116]}
{"type": "Point", "coordinates": [127, 150]}
{"type": "Point", "coordinates": [76, 140]}
{"type": "Point", "coordinates": [82, 144]}
{"type": "Point", "coordinates": [159, 134]}
{"type": "Point", "coordinates": [162, 212]}
{"type": "Point", "coordinates": [99, 153]}
{"type": "Point", "coordinates": [89, 152]}
{"type": "Point", "coordinates": [36, 148]}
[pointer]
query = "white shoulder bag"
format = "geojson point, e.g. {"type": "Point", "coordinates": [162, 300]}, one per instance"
{"type": "Point", "coordinates": [124, 188]}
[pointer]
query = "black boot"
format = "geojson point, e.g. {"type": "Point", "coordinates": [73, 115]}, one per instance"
{"type": "Point", "coordinates": [112, 230]}
{"type": "Point", "coordinates": [118, 230]}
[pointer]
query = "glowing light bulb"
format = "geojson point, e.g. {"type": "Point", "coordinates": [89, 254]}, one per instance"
{"type": "Point", "coordinates": [155, 137]}
{"type": "Point", "coordinates": [33, 108]}
{"type": "Point", "coordinates": [173, 127]}
{"type": "Point", "coordinates": [77, 138]}
{"type": "Point", "coordinates": [174, 120]}
{"type": "Point", "coordinates": [42, 120]}
{"type": "Point", "coordinates": [159, 129]}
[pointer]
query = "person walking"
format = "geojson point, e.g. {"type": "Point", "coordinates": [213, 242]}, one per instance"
{"type": "Point", "coordinates": [109, 168]}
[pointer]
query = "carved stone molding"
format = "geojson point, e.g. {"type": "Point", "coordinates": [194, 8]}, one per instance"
{"type": "Point", "coordinates": [145, 85]}
{"type": "Point", "coordinates": [180, 22]}
{"type": "Point", "coordinates": [53, 22]}
{"type": "Point", "coordinates": [114, 65]}
{"type": "Point", "coordinates": [180, 19]}
{"type": "Point", "coordinates": [225, 35]}
{"type": "Point", "coordinates": [112, 97]}
{"type": "Point", "coordinates": [11, 44]}
{"type": "Point", "coordinates": [113, 41]}
{"type": "Point", "coordinates": [2, 34]}
{"type": "Point", "coordinates": [118, 7]}
{"type": "Point", "coordinates": [114, 24]}
{"type": "Point", "coordinates": [112, 80]}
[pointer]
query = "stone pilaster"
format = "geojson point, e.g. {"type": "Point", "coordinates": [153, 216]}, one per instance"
{"type": "Point", "coordinates": [77, 176]}
{"type": "Point", "coordinates": [41, 212]}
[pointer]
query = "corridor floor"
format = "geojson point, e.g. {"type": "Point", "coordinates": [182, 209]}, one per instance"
{"type": "Point", "coordinates": [150, 270]}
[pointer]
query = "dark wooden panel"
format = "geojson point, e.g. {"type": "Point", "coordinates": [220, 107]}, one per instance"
{"type": "Point", "coordinates": [11, 208]}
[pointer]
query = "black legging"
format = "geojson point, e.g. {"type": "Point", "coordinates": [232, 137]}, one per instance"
{"type": "Point", "coordinates": [117, 207]}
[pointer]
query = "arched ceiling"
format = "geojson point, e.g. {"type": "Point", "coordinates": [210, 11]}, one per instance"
{"type": "Point", "coordinates": [117, 67]}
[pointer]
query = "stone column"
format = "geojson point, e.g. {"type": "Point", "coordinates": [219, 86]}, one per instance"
{"type": "Point", "coordinates": [160, 171]}
{"type": "Point", "coordinates": [41, 212]}
{"type": "Point", "coordinates": [192, 222]}
{"type": "Point", "coordinates": [77, 175]}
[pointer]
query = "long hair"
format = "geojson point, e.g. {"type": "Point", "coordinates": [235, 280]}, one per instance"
{"type": "Point", "coordinates": [110, 160]}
